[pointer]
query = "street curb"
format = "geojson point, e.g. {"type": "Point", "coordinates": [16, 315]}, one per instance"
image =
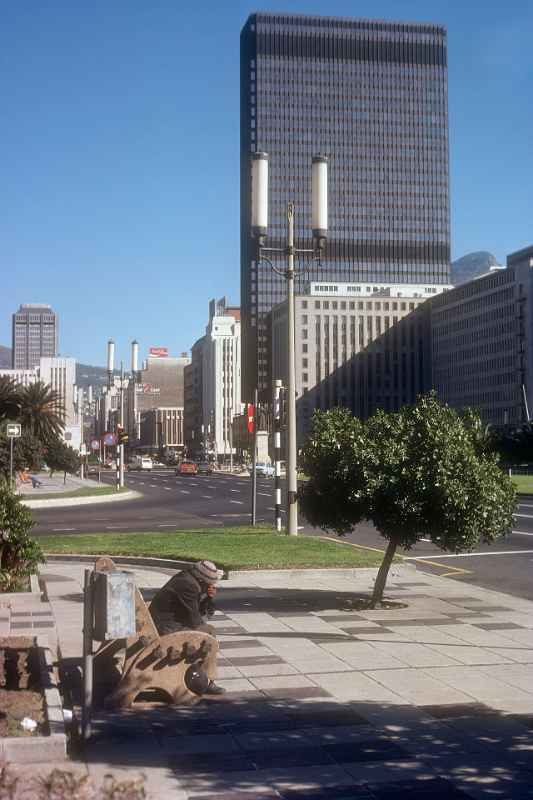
{"type": "Point", "coordinates": [82, 501]}
{"type": "Point", "coordinates": [168, 563]}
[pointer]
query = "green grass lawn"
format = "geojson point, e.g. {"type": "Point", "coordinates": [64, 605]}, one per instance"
{"type": "Point", "coordinates": [229, 548]}
{"type": "Point", "coordinates": [84, 491]}
{"type": "Point", "coordinates": [523, 483]}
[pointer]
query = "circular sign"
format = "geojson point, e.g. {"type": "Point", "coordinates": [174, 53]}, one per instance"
{"type": "Point", "coordinates": [95, 444]}
{"type": "Point", "coordinates": [110, 439]}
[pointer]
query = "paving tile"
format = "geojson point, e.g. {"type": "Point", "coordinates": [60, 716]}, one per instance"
{"type": "Point", "coordinates": [355, 792]}
{"type": "Point", "coordinates": [239, 644]}
{"type": "Point", "coordinates": [290, 757]}
{"type": "Point", "coordinates": [483, 687]}
{"type": "Point", "coordinates": [357, 686]}
{"type": "Point", "coordinates": [366, 750]}
{"type": "Point", "coordinates": [237, 795]}
{"type": "Point", "coordinates": [209, 763]}
{"type": "Point", "coordinates": [236, 685]}
{"type": "Point", "coordinates": [421, 687]}
{"type": "Point", "coordinates": [327, 717]}
{"type": "Point", "coordinates": [277, 740]}
{"type": "Point", "coordinates": [459, 710]}
{"type": "Point", "coordinates": [498, 626]}
{"type": "Point", "coordinates": [300, 693]}
{"type": "Point", "coordinates": [519, 675]}
{"type": "Point", "coordinates": [414, 654]}
{"type": "Point", "coordinates": [362, 655]}
{"type": "Point", "coordinates": [430, 789]}
{"type": "Point", "coordinates": [469, 654]}
{"type": "Point", "coordinates": [265, 670]}
{"type": "Point", "coordinates": [243, 661]}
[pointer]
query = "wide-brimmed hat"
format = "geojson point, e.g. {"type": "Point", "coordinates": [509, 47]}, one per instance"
{"type": "Point", "coordinates": [206, 571]}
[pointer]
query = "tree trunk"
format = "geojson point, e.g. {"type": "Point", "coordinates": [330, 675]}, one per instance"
{"type": "Point", "coordinates": [383, 571]}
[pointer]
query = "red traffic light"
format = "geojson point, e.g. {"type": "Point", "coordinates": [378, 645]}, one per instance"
{"type": "Point", "coordinates": [250, 415]}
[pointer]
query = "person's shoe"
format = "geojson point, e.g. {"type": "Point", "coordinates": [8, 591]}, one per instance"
{"type": "Point", "coordinates": [213, 689]}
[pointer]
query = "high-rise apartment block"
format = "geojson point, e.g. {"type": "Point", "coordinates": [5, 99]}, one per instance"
{"type": "Point", "coordinates": [372, 97]}
{"type": "Point", "coordinates": [35, 335]}
{"type": "Point", "coordinates": [193, 415]}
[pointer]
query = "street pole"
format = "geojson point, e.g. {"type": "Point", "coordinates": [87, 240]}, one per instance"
{"type": "Point", "coordinates": [121, 446]}
{"type": "Point", "coordinates": [254, 462]}
{"type": "Point", "coordinates": [11, 462]}
{"type": "Point", "coordinates": [277, 451]}
{"type": "Point", "coordinates": [231, 439]}
{"type": "Point", "coordinates": [292, 478]}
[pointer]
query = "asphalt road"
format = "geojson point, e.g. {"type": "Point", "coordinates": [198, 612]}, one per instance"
{"type": "Point", "coordinates": [171, 502]}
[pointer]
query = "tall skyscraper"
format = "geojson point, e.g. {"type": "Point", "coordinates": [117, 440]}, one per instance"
{"type": "Point", "coordinates": [35, 335]}
{"type": "Point", "coordinates": [372, 97]}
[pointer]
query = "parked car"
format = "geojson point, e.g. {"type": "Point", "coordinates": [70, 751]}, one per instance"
{"type": "Point", "coordinates": [204, 468]}
{"type": "Point", "coordinates": [187, 468]}
{"type": "Point", "coordinates": [264, 469]}
{"type": "Point", "coordinates": [141, 463]}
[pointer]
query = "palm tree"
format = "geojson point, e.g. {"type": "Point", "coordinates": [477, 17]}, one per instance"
{"type": "Point", "coordinates": [42, 411]}
{"type": "Point", "coordinates": [9, 399]}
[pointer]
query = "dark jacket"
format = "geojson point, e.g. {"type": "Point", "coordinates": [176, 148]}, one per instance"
{"type": "Point", "coordinates": [182, 600]}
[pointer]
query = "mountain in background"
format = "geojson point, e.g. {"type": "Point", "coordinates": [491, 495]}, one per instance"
{"type": "Point", "coordinates": [471, 266]}
{"type": "Point", "coordinates": [87, 375]}
{"type": "Point", "coordinates": [5, 357]}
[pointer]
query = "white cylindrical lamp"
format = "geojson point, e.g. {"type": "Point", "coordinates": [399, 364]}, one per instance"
{"type": "Point", "coordinates": [319, 212]}
{"type": "Point", "coordinates": [259, 205]}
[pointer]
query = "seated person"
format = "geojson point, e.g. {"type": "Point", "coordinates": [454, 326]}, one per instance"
{"type": "Point", "coordinates": [184, 602]}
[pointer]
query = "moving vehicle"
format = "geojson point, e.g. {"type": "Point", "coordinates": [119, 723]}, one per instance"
{"type": "Point", "coordinates": [187, 468]}
{"type": "Point", "coordinates": [264, 469]}
{"type": "Point", "coordinates": [141, 463]}
{"type": "Point", "coordinates": [204, 468]}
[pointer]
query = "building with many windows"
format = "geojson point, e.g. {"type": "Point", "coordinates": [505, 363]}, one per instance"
{"type": "Point", "coordinates": [372, 97]}
{"type": "Point", "coordinates": [362, 346]}
{"type": "Point", "coordinates": [193, 419]}
{"type": "Point", "coordinates": [482, 343]}
{"type": "Point", "coordinates": [221, 376]}
{"type": "Point", "coordinates": [35, 335]}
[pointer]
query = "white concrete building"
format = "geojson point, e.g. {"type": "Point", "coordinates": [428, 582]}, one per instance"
{"type": "Point", "coordinates": [60, 374]}
{"type": "Point", "coordinates": [221, 376]}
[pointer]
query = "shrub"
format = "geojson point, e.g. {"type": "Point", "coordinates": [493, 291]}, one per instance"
{"type": "Point", "coordinates": [19, 553]}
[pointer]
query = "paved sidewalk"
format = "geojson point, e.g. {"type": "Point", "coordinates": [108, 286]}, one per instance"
{"type": "Point", "coordinates": [55, 484]}
{"type": "Point", "coordinates": [433, 700]}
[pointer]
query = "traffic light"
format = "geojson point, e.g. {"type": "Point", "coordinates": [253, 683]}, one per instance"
{"type": "Point", "coordinates": [122, 435]}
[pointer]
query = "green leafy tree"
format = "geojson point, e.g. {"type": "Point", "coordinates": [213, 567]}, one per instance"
{"type": "Point", "coordinates": [60, 457]}
{"type": "Point", "coordinates": [19, 553]}
{"type": "Point", "coordinates": [9, 399]}
{"type": "Point", "coordinates": [425, 471]}
{"type": "Point", "coordinates": [27, 453]}
{"type": "Point", "coordinates": [42, 412]}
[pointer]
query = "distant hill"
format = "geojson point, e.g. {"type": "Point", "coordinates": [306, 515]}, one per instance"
{"type": "Point", "coordinates": [5, 357]}
{"type": "Point", "coordinates": [471, 266]}
{"type": "Point", "coordinates": [87, 375]}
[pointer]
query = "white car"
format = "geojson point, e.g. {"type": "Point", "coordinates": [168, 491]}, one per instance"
{"type": "Point", "coordinates": [264, 469]}
{"type": "Point", "coordinates": [141, 462]}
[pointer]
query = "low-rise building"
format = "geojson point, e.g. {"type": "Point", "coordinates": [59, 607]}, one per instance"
{"type": "Point", "coordinates": [162, 430]}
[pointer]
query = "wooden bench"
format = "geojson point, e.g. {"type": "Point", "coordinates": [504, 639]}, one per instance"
{"type": "Point", "coordinates": [149, 662]}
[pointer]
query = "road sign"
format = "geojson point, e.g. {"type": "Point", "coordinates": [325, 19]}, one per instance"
{"type": "Point", "coordinates": [13, 430]}
{"type": "Point", "coordinates": [83, 449]}
{"type": "Point", "coordinates": [95, 444]}
{"type": "Point", "coordinates": [110, 439]}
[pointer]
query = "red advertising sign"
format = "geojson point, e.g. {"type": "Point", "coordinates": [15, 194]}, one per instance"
{"type": "Point", "coordinates": [159, 352]}
{"type": "Point", "coordinates": [250, 415]}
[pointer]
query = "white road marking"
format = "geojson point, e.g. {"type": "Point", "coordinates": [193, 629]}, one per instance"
{"type": "Point", "coordinates": [468, 555]}
{"type": "Point", "coordinates": [237, 491]}
{"type": "Point", "coordinates": [207, 496]}
{"type": "Point", "coordinates": [167, 525]}
{"type": "Point", "coordinates": [63, 529]}
{"type": "Point", "coordinates": [527, 516]}
{"type": "Point", "coordinates": [167, 488]}
{"type": "Point", "coordinates": [153, 485]}
{"type": "Point", "coordinates": [114, 527]}
{"type": "Point", "coordinates": [264, 494]}
{"type": "Point", "coordinates": [425, 540]}
{"type": "Point", "coordinates": [237, 502]}
{"type": "Point", "coordinates": [522, 533]}
{"type": "Point", "coordinates": [184, 491]}
{"type": "Point", "coordinates": [525, 505]}
{"type": "Point", "coordinates": [271, 508]}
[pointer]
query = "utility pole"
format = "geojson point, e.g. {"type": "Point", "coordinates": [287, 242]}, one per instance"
{"type": "Point", "coordinates": [277, 450]}
{"type": "Point", "coordinates": [121, 445]}
{"type": "Point", "coordinates": [259, 225]}
{"type": "Point", "coordinates": [254, 462]}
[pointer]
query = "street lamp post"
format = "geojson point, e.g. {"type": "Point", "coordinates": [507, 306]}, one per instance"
{"type": "Point", "coordinates": [259, 223]}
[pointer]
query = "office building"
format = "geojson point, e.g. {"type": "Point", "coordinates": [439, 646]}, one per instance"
{"type": "Point", "coordinates": [482, 343]}
{"type": "Point", "coordinates": [162, 430]}
{"type": "Point", "coordinates": [221, 376]}
{"type": "Point", "coordinates": [193, 415]}
{"type": "Point", "coordinates": [361, 346]}
{"type": "Point", "coordinates": [60, 375]}
{"type": "Point", "coordinates": [35, 335]}
{"type": "Point", "coordinates": [372, 97]}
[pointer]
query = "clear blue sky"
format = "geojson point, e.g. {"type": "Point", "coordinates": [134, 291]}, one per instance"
{"type": "Point", "coordinates": [119, 191]}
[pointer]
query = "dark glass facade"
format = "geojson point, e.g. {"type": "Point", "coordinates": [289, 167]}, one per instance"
{"type": "Point", "coordinates": [372, 96]}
